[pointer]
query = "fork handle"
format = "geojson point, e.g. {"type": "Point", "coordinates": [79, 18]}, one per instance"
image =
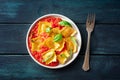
{"type": "Point", "coordinates": [86, 66]}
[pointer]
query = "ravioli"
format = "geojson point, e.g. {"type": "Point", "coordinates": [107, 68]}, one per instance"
{"type": "Point", "coordinates": [63, 57]}
{"type": "Point", "coordinates": [49, 56]}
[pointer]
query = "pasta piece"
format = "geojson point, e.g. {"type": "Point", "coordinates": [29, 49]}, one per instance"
{"type": "Point", "coordinates": [63, 57]}
{"type": "Point", "coordinates": [56, 30]}
{"type": "Point", "coordinates": [49, 42]}
{"type": "Point", "coordinates": [42, 26]}
{"type": "Point", "coordinates": [61, 43]}
{"type": "Point", "coordinates": [49, 56]}
{"type": "Point", "coordinates": [71, 45]}
{"type": "Point", "coordinates": [35, 44]}
{"type": "Point", "coordinates": [68, 31]}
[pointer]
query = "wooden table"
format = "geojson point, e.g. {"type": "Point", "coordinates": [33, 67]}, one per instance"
{"type": "Point", "coordinates": [16, 16]}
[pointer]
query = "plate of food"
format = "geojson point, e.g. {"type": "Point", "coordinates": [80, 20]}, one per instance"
{"type": "Point", "coordinates": [53, 41]}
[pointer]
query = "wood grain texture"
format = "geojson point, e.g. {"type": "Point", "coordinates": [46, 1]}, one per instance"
{"type": "Point", "coordinates": [24, 68]}
{"type": "Point", "coordinates": [16, 17]}
{"type": "Point", "coordinates": [105, 39]}
{"type": "Point", "coordinates": [26, 11]}
{"type": "Point", "coordinates": [13, 37]}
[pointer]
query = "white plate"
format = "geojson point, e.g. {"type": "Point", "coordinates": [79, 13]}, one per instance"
{"type": "Point", "coordinates": [78, 36]}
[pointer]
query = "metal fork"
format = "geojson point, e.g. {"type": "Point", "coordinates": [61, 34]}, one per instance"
{"type": "Point", "coordinates": [90, 22]}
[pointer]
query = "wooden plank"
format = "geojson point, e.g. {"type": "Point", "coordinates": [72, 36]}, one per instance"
{"type": "Point", "coordinates": [13, 38]}
{"type": "Point", "coordinates": [23, 11]}
{"type": "Point", "coordinates": [105, 39]}
{"type": "Point", "coordinates": [24, 68]}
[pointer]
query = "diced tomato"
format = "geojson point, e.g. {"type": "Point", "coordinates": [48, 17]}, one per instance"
{"type": "Point", "coordinates": [43, 49]}
{"type": "Point", "coordinates": [57, 20]}
{"type": "Point", "coordinates": [42, 62]}
{"type": "Point", "coordinates": [58, 52]}
{"type": "Point", "coordinates": [37, 56]}
{"type": "Point", "coordinates": [56, 23]}
{"type": "Point", "coordinates": [34, 31]}
{"type": "Point", "coordinates": [40, 59]}
{"type": "Point", "coordinates": [42, 39]}
{"type": "Point", "coordinates": [34, 35]}
{"type": "Point", "coordinates": [44, 35]}
{"type": "Point", "coordinates": [29, 42]}
{"type": "Point", "coordinates": [54, 63]}
{"type": "Point", "coordinates": [35, 28]}
{"type": "Point", "coordinates": [34, 53]}
{"type": "Point", "coordinates": [53, 19]}
{"type": "Point", "coordinates": [60, 27]}
{"type": "Point", "coordinates": [48, 19]}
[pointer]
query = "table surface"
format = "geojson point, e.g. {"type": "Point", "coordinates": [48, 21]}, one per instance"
{"type": "Point", "coordinates": [16, 16]}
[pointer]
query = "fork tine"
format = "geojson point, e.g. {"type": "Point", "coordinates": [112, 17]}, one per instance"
{"type": "Point", "coordinates": [93, 18]}
{"type": "Point", "coordinates": [88, 18]}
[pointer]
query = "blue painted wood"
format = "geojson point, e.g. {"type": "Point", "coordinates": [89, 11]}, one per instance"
{"type": "Point", "coordinates": [12, 38]}
{"type": "Point", "coordinates": [23, 11]}
{"type": "Point", "coordinates": [16, 17]}
{"type": "Point", "coordinates": [105, 39]}
{"type": "Point", "coordinates": [24, 68]}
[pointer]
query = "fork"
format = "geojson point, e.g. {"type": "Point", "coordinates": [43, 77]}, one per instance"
{"type": "Point", "coordinates": [90, 22]}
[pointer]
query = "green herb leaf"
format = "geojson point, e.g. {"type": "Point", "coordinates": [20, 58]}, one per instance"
{"type": "Point", "coordinates": [58, 37]}
{"type": "Point", "coordinates": [64, 23]}
{"type": "Point", "coordinates": [48, 29]}
{"type": "Point", "coordinates": [71, 52]}
{"type": "Point", "coordinates": [73, 40]}
{"type": "Point", "coordinates": [63, 55]}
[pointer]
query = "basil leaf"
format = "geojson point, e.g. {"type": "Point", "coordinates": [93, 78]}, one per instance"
{"type": "Point", "coordinates": [48, 29]}
{"type": "Point", "coordinates": [64, 23]}
{"type": "Point", "coordinates": [58, 37]}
